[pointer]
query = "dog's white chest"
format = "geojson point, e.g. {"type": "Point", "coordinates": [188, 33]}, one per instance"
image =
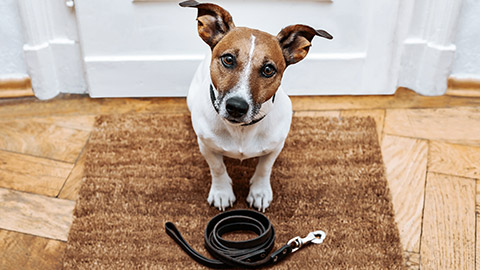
{"type": "Point", "coordinates": [241, 144]}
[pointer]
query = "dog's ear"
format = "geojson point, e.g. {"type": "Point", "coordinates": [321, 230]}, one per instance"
{"type": "Point", "coordinates": [214, 22]}
{"type": "Point", "coordinates": [295, 41]}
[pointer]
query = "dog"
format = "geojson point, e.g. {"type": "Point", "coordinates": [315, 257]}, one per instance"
{"type": "Point", "coordinates": [237, 105]}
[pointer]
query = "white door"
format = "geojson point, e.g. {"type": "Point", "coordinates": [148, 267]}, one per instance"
{"type": "Point", "coordinates": [151, 48]}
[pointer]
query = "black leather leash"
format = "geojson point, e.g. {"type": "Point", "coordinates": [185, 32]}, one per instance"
{"type": "Point", "coordinates": [252, 253]}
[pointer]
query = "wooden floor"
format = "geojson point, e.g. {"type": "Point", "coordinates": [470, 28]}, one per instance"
{"type": "Point", "coordinates": [431, 148]}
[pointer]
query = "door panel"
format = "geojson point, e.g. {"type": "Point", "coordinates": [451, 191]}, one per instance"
{"type": "Point", "coordinates": [151, 48]}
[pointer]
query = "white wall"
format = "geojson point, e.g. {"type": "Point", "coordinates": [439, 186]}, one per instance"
{"type": "Point", "coordinates": [12, 59]}
{"type": "Point", "coordinates": [467, 57]}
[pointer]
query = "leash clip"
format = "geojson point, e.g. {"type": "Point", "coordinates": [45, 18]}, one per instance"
{"type": "Point", "coordinates": [315, 237]}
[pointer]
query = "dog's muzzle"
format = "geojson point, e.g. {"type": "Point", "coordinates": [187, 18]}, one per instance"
{"type": "Point", "coordinates": [236, 108]}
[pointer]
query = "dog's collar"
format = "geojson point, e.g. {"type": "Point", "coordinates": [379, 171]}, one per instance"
{"type": "Point", "coordinates": [212, 98]}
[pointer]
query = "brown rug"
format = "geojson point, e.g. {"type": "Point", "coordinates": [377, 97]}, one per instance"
{"type": "Point", "coordinates": [144, 170]}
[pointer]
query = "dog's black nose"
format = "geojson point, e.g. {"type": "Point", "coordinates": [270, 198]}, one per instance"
{"type": "Point", "coordinates": [236, 107]}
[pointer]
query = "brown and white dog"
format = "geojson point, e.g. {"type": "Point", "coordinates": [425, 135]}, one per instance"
{"type": "Point", "coordinates": [238, 107]}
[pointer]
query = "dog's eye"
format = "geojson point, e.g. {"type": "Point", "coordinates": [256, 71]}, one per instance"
{"type": "Point", "coordinates": [228, 60]}
{"type": "Point", "coordinates": [268, 71]}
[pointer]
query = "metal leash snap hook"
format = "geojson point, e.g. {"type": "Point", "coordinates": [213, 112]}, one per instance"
{"type": "Point", "coordinates": [315, 237]}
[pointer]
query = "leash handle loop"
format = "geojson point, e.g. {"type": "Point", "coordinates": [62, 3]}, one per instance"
{"type": "Point", "coordinates": [251, 253]}
{"type": "Point", "coordinates": [173, 232]}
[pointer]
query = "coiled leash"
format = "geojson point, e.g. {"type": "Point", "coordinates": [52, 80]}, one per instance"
{"type": "Point", "coordinates": [252, 253]}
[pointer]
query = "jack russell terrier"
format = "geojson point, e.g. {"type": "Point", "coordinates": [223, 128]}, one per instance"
{"type": "Point", "coordinates": [238, 107]}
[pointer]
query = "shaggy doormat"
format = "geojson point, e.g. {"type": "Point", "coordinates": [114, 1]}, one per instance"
{"type": "Point", "coordinates": [144, 170]}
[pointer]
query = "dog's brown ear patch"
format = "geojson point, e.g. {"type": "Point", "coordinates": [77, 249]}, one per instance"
{"type": "Point", "coordinates": [295, 41]}
{"type": "Point", "coordinates": [214, 22]}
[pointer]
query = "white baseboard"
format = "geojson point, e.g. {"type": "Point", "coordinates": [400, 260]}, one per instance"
{"type": "Point", "coordinates": [419, 56]}
{"type": "Point", "coordinates": [134, 75]}
{"type": "Point", "coordinates": [55, 67]}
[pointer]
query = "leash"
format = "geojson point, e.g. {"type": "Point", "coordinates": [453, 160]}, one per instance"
{"type": "Point", "coordinates": [252, 253]}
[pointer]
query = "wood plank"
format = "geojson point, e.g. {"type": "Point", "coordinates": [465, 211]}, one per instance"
{"type": "Point", "coordinates": [458, 125]}
{"type": "Point", "coordinates": [448, 238]}
{"type": "Point", "coordinates": [317, 113]}
{"type": "Point", "coordinates": [62, 105]}
{"type": "Point", "coordinates": [412, 260]}
{"type": "Point", "coordinates": [477, 247]}
{"type": "Point", "coordinates": [377, 115]}
{"type": "Point", "coordinates": [15, 93]}
{"type": "Point", "coordinates": [38, 137]}
{"type": "Point", "coordinates": [32, 174]}
{"type": "Point", "coordinates": [81, 104]}
{"type": "Point", "coordinates": [15, 87]}
{"type": "Point", "coordinates": [23, 251]}
{"type": "Point", "coordinates": [478, 197]}
{"type": "Point", "coordinates": [464, 92]}
{"type": "Point", "coordinates": [463, 87]}
{"type": "Point", "coordinates": [80, 122]}
{"type": "Point", "coordinates": [406, 167]}
{"type": "Point", "coordinates": [403, 98]}
{"type": "Point", "coordinates": [74, 105]}
{"type": "Point", "coordinates": [35, 214]}
{"type": "Point", "coordinates": [74, 180]}
{"type": "Point", "coordinates": [460, 160]}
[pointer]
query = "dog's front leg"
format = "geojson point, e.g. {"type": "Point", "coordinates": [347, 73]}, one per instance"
{"type": "Point", "coordinates": [261, 195]}
{"type": "Point", "coordinates": [221, 192]}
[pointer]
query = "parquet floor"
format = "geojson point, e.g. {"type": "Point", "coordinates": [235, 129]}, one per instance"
{"type": "Point", "coordinates": [431, 148]}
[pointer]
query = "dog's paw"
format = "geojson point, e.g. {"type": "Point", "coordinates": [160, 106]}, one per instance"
{"type": "Point", "coordinates": [260, 196]}
{"type": "Point", "coordinates": [221, 197]}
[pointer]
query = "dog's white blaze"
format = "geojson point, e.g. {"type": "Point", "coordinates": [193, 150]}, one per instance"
{"type": "Point", "coordinates": [248, 68]}
{"type": "Point", "coordinates": [252, 49]}
{"type": "Point", "coordinates": [242, 88]}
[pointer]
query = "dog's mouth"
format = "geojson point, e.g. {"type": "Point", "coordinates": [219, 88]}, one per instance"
{"type": "Point", "coordinates": [237, 111]}
{"type": "Point", "coordinates": [246, 121]}
{"type": "Point", "coordinates": [233, 121]}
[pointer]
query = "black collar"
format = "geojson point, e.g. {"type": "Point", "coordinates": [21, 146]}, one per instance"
{"type": "Point", "coordinates": [212, 98]}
